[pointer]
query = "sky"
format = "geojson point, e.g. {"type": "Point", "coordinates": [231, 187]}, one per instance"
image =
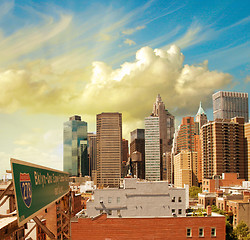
{"type": "Point", "coordinates": [65, 58]}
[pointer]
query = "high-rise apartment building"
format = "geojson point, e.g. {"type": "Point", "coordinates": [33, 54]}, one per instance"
{"type": "Point", "coordinates": [137, 144]}
{"type": "Point", "coordinates": [186, 135]}
{"type": "Point", "coordinates": [92, 152]}
{"type": "Point", "coordinates": [185, 169]}
{"type": "Point", "coordinates": [152, 149]}
{"type": "Point", "coordinates": [75, 156]}
{"type": "Point", "coordinates": [247, 150]}
{"type": "Point", "coordinates": [109, 149]}
{"type": "Point", "coordinates": [223, 146]}
{"type": "Point", "coordinates": [227, 105]}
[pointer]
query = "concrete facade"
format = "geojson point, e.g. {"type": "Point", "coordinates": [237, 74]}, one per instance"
{"type": "Point", "coordinates": [139, 198]}
{"type": "Point", "coordinates": [227, 105]}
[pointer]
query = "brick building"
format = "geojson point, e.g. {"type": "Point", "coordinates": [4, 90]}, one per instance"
{"type": "Point", "coordinates": [223, 147]}
{"type": "Point", "coordinates": [160, 228]}
{"type": "Point", "coordinates": [227, 180]}
{"type": "Point", "coordinates": [238, 206]}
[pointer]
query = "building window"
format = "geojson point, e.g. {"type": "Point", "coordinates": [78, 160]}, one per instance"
{"type": "Point", "coordinates": [109, 199]}
{"type": "Point", "coordinates": [201, 232]}
{"type": "Point", "coordinates": [119, 213]}
{"type": "Point", "coordinates": [173, 210]}
{"type": "Point", "coordinates": [213, 232]}
{"type": "Point", "coordinates": [180, 211]}
{"type": "Point", "coordinates": [118, 199]}
{"type": "Point", "coordinates": [173, 199]}
{"type": "Point", "coordinates": [109, 212]}
{"type": "Point", "coordinates": [189, 232]}
{"type": "Point", "coordinates": [179, 200]}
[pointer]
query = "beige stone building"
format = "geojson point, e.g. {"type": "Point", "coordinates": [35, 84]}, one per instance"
{"type": "Point", "coordinates": [185, 169]}
{"type": "Point", "coordinates": [109, 149]}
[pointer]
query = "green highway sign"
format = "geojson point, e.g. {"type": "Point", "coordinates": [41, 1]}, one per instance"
{"type": "Point", "coordinates": [36, 187]}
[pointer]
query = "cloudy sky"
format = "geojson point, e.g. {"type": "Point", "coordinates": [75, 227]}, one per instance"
{"type": "Point", "coordinates": [61, 58]}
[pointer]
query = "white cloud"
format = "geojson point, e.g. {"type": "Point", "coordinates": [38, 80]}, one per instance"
{"type": "Point", "coordinates": [132, 30]}
{"type": "Point", "coordinates": [134, 84]}
{"type": "Point", "coordinates": [129, 42]}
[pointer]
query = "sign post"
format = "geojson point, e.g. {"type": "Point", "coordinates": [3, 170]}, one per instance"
{"type": "Point", "coordinates": [36, 187]}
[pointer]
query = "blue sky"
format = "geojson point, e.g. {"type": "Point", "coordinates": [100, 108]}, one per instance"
{"type": "Point", "coordinates": [60, 58]}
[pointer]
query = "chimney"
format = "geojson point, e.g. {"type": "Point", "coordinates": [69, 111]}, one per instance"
{"type": "Point", "coordinates": [209, 210]}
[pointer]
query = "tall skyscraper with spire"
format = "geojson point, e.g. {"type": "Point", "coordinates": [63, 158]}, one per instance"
{"type": "Point", "coordinates": [201, 117]}
{"type": "Point", "coordinates": [165, 127]}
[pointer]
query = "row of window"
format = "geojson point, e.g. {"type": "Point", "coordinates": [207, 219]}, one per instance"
{"type": "Point", "coordinates": [118, 199]}
{"type": "Point", "coordinates": [201, 232]}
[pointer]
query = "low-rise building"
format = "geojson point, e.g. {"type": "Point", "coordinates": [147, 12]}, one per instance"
{"type": "Point", "coordinates": [160, 228]}
{"type": "Point", "coordinates": [139, 198]}
{"type": "Point", "coordinates": [226, 180]}
{"type": "Point", "coordinates": [237, 206]}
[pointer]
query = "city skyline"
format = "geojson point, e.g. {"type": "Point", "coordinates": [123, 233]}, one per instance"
{"type": "Point", "coordinates": [59, 60]}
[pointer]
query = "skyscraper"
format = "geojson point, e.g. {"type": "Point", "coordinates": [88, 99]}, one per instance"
{"type": "Point", "coordinates": [201, 117]}
{"type": "Point", "coordinates": [247, 150]}
{"type": "Point", "coordinates": [166, 124]}
{"type": "Point", "coordinates": [152, 149]}
{"type": "Point", "coordinates": [109, 149]}
{"type": "Point", "coordinates": [92, 154]}
{"type": "Point", "coordinates": [223, 147]}
{"type": "Point", "coordinates": [137, 145]}
{"type": "Point", "coordinates": [166, 130]}
{"type": "Point", "coordinates": [75, 156]}
{"type": "Point", "coordinates": [227, 105]}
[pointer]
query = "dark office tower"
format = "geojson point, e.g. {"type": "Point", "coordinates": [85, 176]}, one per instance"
{"type": "Point", "coordinates": [124, 150]}
{"type": "Point", "coordinates": [137, 145]}
{"type": "Point", "coordinates": [109, 149]}
{"type": "Point", "coordinates": [201, 117]}
{"type": "Point", "coordinates": [166, 129]}
{"type": "Point", "coordinates": [227, 105]}
{"type": "Point", "coordinates": [75, 156]}
{"type": "Point", "coordinates": [92, 154]}
{"type": "Point", "coordinates": [223, 147]}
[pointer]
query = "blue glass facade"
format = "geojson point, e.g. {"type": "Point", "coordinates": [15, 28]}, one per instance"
{"type": "Point", "coordinates": [75, 155]}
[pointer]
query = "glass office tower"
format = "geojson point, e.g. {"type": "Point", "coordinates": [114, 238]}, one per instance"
{"type": "Point", "coordinates": [75, 155]}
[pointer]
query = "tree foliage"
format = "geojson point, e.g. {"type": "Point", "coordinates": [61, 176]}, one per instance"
{"type": "Point", "coordinates": [193, 191]}
{"type": "Point", "coordinates": [242, 231]}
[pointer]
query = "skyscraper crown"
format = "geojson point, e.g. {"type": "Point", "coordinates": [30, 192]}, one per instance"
{"type": "Point", "coordinates": [201, 110]}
